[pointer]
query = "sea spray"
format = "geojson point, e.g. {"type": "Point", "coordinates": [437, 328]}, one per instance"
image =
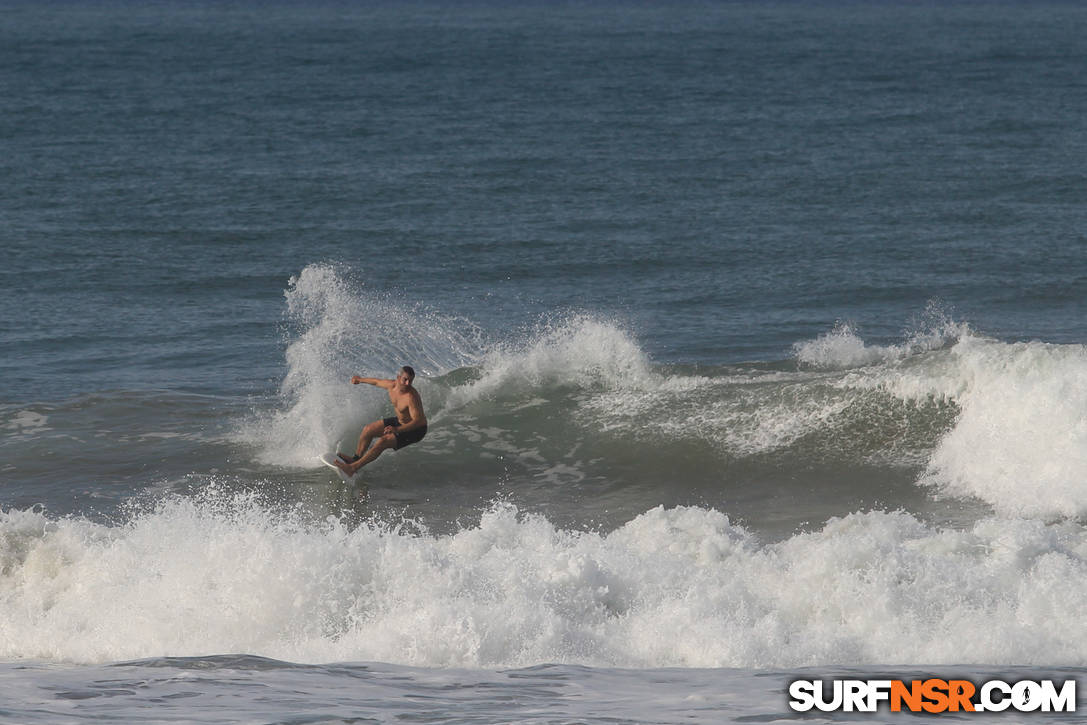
{"type": "Point", "coordinates": [579, 351]}
{"type": "Point", "coordinates": [843, 347]}
{"type": "Point", "coordinates": [337, 328]}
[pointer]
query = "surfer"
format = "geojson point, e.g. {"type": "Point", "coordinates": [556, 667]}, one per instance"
{"type": "Point", "coordinates": [406, 427]}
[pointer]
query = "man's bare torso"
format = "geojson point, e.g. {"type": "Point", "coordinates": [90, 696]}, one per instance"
{"type": "Point", "coordinates": [402, 403]}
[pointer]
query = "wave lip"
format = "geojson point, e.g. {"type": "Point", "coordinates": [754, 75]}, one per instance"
{"type": "Point", "coordinates": [579, 351]}
{"type": "Point", "coordinates": [682, 587]}
{"type": "Point", "coordinates": [841, 348]}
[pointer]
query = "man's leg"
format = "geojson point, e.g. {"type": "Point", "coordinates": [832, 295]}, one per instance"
{"type": "Point", "coordinates": [383, 444]}
{"type": "Point", "coordinates": [373, 430]}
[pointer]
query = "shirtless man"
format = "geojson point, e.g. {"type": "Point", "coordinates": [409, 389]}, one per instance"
{"type": "Point", "coordinates": [406, 427]}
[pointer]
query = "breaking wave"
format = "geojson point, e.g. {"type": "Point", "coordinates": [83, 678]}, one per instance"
{"type": "Point", "coordinates": [1004, 423]}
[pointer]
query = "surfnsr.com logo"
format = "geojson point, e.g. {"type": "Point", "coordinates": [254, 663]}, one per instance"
{"type": "Point", "coordinates": [933, 695]}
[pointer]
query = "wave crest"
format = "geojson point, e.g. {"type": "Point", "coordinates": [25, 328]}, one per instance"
{"type": "Point", "coordinates": [580, 351]}
{"type": "Point", "coordinates": [843, 348]}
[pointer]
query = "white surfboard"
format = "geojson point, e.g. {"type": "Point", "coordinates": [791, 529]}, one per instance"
{"type": "Point", "coordinates": [329, 460]}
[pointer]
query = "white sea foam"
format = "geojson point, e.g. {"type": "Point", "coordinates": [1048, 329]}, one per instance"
{"type": "Point", "coordinates": [25, 423]}
{"type": "Point", "coordinates": [1020, 441]}
{"type": "Point", "coordinates": [739, 415]}
{"type": "Point", "coordinates": [680, 587]}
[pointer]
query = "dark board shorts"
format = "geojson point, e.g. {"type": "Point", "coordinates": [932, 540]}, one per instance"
{"type": "Point", "coordinates": [405, 439]}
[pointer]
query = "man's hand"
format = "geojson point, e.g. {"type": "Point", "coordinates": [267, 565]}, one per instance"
{"type": "Point", "coordinates": [388, 429]}
{"type": "Point", "coordinates": [356, 379]}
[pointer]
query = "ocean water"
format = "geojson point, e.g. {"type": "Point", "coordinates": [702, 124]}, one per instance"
{"type": "Point", "coordinates": [752, 338]}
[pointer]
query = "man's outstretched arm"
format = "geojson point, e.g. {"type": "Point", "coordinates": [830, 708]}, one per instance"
{"type": "Point", "coordinates": [379, 382]}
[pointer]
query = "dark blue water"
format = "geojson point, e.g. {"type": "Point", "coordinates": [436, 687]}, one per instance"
{"type": "Point", "coordinates": [728, 178]}
{"type": "Point", "coordinates": [820, 268]}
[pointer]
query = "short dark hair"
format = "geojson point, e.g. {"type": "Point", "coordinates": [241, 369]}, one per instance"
{"type": "Point", "coordinates": [410, 371]}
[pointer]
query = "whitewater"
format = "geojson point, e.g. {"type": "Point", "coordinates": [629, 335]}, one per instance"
{"type": "Point", "coordinates": [680, 587]}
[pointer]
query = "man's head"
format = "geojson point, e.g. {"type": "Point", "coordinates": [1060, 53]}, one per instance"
{"type": "Point", "coordinates": [405, 377]}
